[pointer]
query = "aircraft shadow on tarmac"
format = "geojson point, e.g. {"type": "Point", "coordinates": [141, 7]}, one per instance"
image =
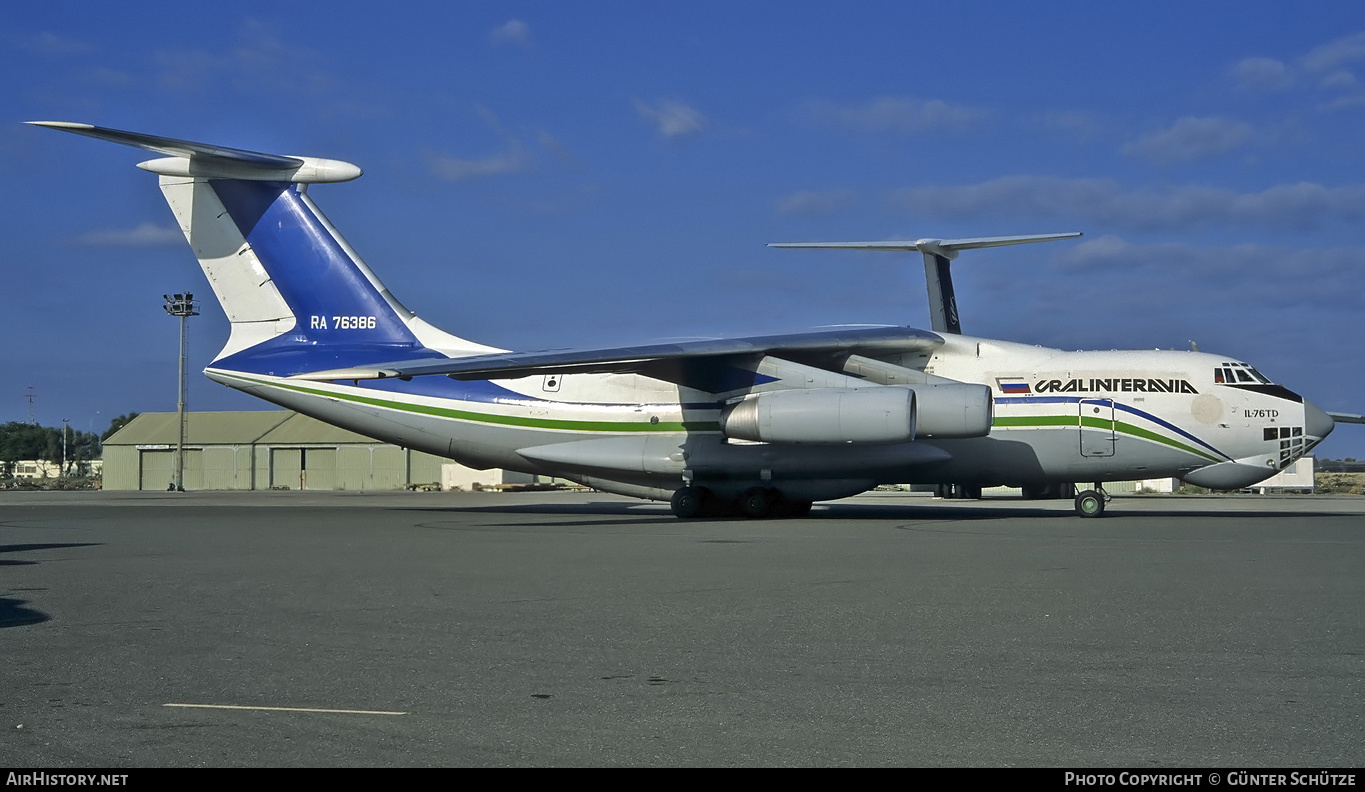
{"type": "Point", "coordinates": [24, 548]}
{"type": "Point", "coordinates": [13, 612]}
{"type": "Point", "coordinates": [860, 511]}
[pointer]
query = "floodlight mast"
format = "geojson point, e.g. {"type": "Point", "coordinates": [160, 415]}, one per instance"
{"type": "Point", "coordinates": [182, 307]}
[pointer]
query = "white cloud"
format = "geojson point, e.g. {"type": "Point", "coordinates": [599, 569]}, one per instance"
{"type": "Point", "coordinates": [896, 114]}
{"type": "Point", "coordinates": [187, 69]}
{"type": "Point", "coordinates": [106, 76]}
{"type": "Point", "coordinates": [1191, 139]}
{"type": "Point", "coordinates": [514, 31]}
{"type": "Point", "coordinates": [1332, 55]}
{"type": "Point", "coordinates": [259, 59]}
{"type": "Point", "coordinates": [1325, 66]}
{"type": "Point", "coordinates": [54, 46]}
{"type": "Point", "coordinates": [1339, 79]}
{"type": "Point", "coordinates": [674, 120]}
{"type": "Point", "coordinates": [1073, 124]}
{"type": "Point", "coordinates": [1355, 100]}
{"type": "Point", "coordinates": [515, 160]}
{"type": "Point", "coordinates": [1253, 273]}
{"type": "Point", "coordinates": [144, 235]}
{"type": "Point", "coordinates": [1124, 295]}
{"type": "Point", "coordinates": [522, 152]}
{"type": "Point", "coordinates": [1261, 75]}
{"type": "Point", "coordinates": [810, 203]}
{"type": "Point", "coordinates": [1301, 206]}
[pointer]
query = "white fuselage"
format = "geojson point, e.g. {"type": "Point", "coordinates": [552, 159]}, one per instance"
{"type": "Point", "coordinates": [1058, 416]}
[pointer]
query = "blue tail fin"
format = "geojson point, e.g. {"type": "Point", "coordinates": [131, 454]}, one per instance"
{"type": "Point", "coordinates": [298, 297]}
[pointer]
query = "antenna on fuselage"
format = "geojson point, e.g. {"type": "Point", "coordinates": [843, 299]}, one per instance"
{"type": "Point", "coordinates": [938, 257]}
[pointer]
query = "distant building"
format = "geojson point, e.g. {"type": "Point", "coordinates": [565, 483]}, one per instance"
{"type": "Point", "coordinates": [276, 449]}
{"type": "Point", "coordinates": [1297, 477]}
{"type": "Point", "coordinates": [36, 469]}
{"type": "Point", "coordinates": [46, 469]}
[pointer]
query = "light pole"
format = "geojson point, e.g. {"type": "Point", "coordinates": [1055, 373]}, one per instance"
{"type": "Point", "coordinates": [180, 306]}
{"type": "Point", "coordinates": [62, 473]}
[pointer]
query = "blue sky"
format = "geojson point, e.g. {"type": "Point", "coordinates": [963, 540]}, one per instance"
{"type": "Point", "coordinates": [549, 174]}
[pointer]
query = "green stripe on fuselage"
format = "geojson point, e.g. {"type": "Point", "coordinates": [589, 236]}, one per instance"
{"type": "Point", "coordinates": [1120, 427]}
{"type": "Point", "coordinates": [1006, 422]}
{"type": "Point", "coordinates": [504, 420]}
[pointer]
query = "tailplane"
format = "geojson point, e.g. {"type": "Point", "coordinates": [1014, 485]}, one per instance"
{"type": "Point", "coordinates": [938, 257]}
{"type": "Point", "coordinates": [298, 297]}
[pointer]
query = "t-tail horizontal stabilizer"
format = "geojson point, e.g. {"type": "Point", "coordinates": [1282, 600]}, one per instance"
{"type": "Point", "coordinates": [187, 158]}
{"type": "Point", "coordinates": [938, 254]}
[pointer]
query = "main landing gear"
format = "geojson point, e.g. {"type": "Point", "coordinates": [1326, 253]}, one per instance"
{"type": "Point", "coordinates": [1090, 503]}
{"type": "Point", "coordinates": [756, 503]}
{"type": "Point", "coordinates": [1049, 491]}
{"type": "Point", "coordinates": [958, 491]}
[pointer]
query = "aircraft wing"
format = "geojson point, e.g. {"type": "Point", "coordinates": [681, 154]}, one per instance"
{"type": "Point", "coordinates": [1341, 417]}
{"type": "Point", "coordinates": [650, 359]}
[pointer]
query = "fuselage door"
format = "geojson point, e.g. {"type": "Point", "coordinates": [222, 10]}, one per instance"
{"type": "Point", "coordinates": [1096, 425]}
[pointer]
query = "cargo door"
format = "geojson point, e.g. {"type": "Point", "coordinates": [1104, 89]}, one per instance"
{"type": "Point", "coordinates": [1096, 424]}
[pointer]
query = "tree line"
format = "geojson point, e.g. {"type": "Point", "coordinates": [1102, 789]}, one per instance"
{"type": "Point", "coordinates": [30, 441]}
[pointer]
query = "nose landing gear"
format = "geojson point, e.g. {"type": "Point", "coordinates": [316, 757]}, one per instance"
{"type": "Point", "coordinates": [1091, 502]}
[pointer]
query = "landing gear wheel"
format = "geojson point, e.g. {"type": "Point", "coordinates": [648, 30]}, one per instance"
{"type": "Point", "coordinates": [1090, 503]}
{"type": "Point", "coordinates": [688, 502]}
{"type": "Point", "coordinates": [757, 503]}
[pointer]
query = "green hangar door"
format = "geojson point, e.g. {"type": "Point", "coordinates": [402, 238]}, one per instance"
{"type": "Point", "coordinates": [303, 468]}
{"type": "Point", "coordinates": [156, 469]}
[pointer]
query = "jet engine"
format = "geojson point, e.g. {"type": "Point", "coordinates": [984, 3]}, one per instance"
{"type": "Point", "coordinates": [824, 415]}
{"type": "Point", "coordinates": [953, 410]}
{"type": "Point", "coordinates": [861, 415]}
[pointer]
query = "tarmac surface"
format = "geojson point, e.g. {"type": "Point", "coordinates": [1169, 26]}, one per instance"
{"type": "Point", "coordinates": [296, 629]}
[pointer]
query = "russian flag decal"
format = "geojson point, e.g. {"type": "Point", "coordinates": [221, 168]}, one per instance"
{"type": "Point", "coordinates": [1014, 385]}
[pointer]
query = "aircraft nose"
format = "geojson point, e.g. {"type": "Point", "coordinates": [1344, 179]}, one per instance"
{"type": "Point", "coordinates": [1316, 423]}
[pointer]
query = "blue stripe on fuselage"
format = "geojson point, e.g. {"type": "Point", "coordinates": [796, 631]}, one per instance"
{"type": "Point", "coordinates": [1117, 406]}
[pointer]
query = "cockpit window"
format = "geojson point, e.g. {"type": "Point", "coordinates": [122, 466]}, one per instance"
{"type": "Point", "coordinates": [1232, 373]}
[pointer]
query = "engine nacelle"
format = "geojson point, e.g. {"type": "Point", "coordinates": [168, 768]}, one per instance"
{"type": "Point", "coordinates": [824, 415]}
{"type": "Point", "coordinates": [955, 410]}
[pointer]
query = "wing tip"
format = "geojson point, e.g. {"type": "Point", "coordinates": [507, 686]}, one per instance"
{"type": "Point", "coordinates": [60, 124]}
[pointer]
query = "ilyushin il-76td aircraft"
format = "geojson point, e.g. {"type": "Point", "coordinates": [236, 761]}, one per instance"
{"type": "Point", "coordinates": [756, 426]}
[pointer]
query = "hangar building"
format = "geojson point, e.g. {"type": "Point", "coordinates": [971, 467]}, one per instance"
{"type": "Point", "coordinates": [276, 449]}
